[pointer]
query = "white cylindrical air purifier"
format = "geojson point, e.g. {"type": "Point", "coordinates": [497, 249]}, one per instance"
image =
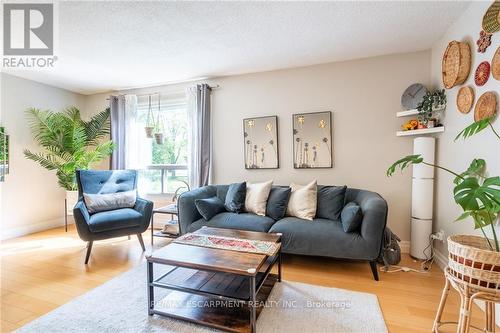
{"type": "Point", "coordinates": [422, 197]}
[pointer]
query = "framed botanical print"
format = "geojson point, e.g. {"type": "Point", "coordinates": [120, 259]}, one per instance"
{"type": "Point", "coordinates": [312, 140]}
{"type": "Point", "coordinates": [261, 142]}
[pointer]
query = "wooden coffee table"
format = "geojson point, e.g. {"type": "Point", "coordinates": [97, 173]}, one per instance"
{"type": "Point", "coordinates": [234, 285]}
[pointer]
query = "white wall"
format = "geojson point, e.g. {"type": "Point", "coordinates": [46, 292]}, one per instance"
{"type": "Point", "coordinates": [364, 96]}
{"type": "Point", "coordinates": [31, 199]}
{"type": "Point", "coordinates": [458, 155]}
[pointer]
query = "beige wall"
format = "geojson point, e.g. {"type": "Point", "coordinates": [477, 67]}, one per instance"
{"type": "Point", "coordinates": [364, 96]}
{"type": "Point", "coordinates": [31, 199]}
{"type": "Point", "coordinates": [458, 155]}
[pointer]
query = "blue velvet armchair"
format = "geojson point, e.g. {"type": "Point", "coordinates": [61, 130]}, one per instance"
{"type": "Point", "coordinates": [112, 223]}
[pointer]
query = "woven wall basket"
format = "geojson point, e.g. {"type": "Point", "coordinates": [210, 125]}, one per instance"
{"type": "Point", "coordinates": [471, 260]}
{"type": "Point", "coordinates": [465, 99]}
{"type": "Point", "coordinates": [495, 64]}
{"type": "Point", "coordinates": [486, 106]}
{"type": "Point", "coordinates": [456, 64]}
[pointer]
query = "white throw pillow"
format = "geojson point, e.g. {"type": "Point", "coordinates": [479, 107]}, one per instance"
{"type": "Point", "coordinates": [303, 201]}
{"type": "Point", "coordinates": [101, 202]}
{"type": "Point", "coordinates": [256, 197]}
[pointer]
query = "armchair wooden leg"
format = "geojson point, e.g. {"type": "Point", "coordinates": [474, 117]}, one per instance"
{"type": "Point", "coordinates": [141, 241]}
{"type": "Point", "coordinates": [89, 249]}
{"type": "Point", "coordinates": [373, 266]}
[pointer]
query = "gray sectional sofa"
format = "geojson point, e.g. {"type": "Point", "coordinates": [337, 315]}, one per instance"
{"type": "Point", "coordinates": [320, 237]}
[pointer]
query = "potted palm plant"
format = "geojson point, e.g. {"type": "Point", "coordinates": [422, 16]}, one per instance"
{"type": "Point", "coordinates": [69, 143]}
{"type": "Point", "coordinates": [471, 258]}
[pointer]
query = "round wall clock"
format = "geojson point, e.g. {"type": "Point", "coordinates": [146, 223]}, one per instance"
{"type": "Point", "coordinates": [482, 73]}
{"type": "Point", "coordinates": [465, 99]}
{"type": "Point", "coordinates": [413, 95]}
{"type": "Point", "coordinates": [486, 106]}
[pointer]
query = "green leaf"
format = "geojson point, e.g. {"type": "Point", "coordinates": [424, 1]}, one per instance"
{"type": "Point", "coordinates": [403, 163]}
{"type": "Point", "coordinates": [470, 195]}
{"type": "Point", "coordinates": [475, 169]}
{"type": "Point", "coordinates": [463, 216]}
{"type": "Point", "coordinates": [474, 128]}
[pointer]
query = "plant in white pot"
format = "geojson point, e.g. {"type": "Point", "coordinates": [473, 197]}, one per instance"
{"type": "Point", "coordinates": [472, 258]}
{"type": "Point", "coordinates": [69, 143]}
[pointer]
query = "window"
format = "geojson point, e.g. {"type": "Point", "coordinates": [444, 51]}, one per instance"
{"type": "Point", "coordinates": [166, 162]}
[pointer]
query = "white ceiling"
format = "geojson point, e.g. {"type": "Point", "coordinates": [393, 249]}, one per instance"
{"type": "Point", "coordinates": [117, 45]}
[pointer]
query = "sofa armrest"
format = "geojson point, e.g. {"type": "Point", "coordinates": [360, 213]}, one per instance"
{"type": "Point", "coordinates": [374, 209]}
{"type": "Point", "coordinates": [82, 218]}
{"type": "Point", "coordinates": [188, 213]}
{"type": "Point", "coordinates": [145, 207]}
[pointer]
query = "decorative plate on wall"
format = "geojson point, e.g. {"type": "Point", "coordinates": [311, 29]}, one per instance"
{"type": "Point", "coordinates": [465, 99]}
{"type": "Point", "coordinates": [456, 64]}
{"type": "Point", "coordinates": [413, 95]}
{"type": "Point", "coordinates": [484, 41]}
{"type": "Point", "coordinates": [491, 19]}
{"type": "Point", "coordinates": [495, 65]}
{"type": "Point", "coordinates": [486, 106]}
{"type": "Point", "coordinates": [482, 73]}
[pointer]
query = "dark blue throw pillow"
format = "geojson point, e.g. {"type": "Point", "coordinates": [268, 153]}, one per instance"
{"type": "Point", "coordinates": [278, 202]}
{"type": "Point", "coordinates": [330, 202]}
{"type": "Point", "coordinates": [235, 197]}
{"type": "Point", "coordinates": [209, 207]}
{"type": "Point", "coordinates": [351, 217]}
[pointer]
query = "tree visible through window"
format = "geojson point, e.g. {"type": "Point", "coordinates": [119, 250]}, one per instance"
{"type": "Point", "coordinates": [167, 169]}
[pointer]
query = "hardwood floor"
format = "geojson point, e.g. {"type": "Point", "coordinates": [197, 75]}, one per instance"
{"type": "Point", "coordinates": [42, 271]}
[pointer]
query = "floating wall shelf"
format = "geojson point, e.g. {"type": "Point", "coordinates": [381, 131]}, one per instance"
{"type": "Point", "coordinates": [421, 131]}
{"type": "Point", "coordinates": [406, 113]}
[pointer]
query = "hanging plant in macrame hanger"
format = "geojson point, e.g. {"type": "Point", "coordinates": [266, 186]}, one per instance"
{"type": "Point", "coordinates": [160, 128]}
{"type": "Point", "coordinates": [150, 122]}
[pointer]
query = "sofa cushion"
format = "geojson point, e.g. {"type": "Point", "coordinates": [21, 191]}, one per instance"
{"type": "Point", "coordinates": [321, 237]}
{"type": "Point", "coordinates": [115, 219]}
{"type": "Point", "coordinates": [235, 197]}
{"type": "Point", "coordinates": [256, 197]}
{"type": "Point", "coordinates": [278, 202]}
{"type": "Point", "coordinates": [351, 217]}
{"type": "Point", "coordinates": [303, 201]}
{"type": "Point", "coordinates": [209, 207]}
{"type": "Point", "coordinates": [243, 221]}
{"type": "Point", "coordinates": [330, 202]}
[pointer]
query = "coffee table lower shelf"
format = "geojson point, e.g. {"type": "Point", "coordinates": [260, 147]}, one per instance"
{"type": "Point", "coordinates": [232, 319]}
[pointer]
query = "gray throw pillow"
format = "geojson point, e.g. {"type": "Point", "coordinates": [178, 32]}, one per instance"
{"type": "Point", "coordinates": [235, 197]}
{"type": "Point", "coordinates": [330, 202]}
{"type": "Point", "coordinates": [209, 207]}
{"type": "Point", "coordinates": [102, 202]}
{"type": "Point", "coordinates": [351, 217]}
{"type": "Point", "coordinates": [278, 202]}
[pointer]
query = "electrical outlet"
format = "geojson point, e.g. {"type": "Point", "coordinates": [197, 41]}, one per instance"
{"type": "Point", "coordinates": [438, 235]}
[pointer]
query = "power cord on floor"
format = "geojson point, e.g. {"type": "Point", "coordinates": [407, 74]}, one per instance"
{"type": "Point", "coordinates": [425, 266]}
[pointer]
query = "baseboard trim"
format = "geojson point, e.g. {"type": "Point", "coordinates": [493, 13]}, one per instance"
{"type": "Point", "coordinates": [32, 228]}
{"type": "Point", "coordinates": [405, 246]}
{"type": "Point", "coordinates": [440, 259]}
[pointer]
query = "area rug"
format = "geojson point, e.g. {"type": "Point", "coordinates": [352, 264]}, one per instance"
{"type": "Point", "coordinates": [120, 305]}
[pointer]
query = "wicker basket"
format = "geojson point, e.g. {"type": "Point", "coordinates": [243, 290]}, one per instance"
{"type": "Point", "coordinates": [456, 64]}
{"type": "Point", "coordinates": [471, 260]}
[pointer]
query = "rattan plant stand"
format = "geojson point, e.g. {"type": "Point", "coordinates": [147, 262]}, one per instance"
{"type": "Point", "coordinates": [468, 293]}
{"type": "Point", "coordinates": [474, 272]}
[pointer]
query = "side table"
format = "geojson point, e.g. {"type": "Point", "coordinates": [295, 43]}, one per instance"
{"type": "Point", "coordinates": [169, 209]}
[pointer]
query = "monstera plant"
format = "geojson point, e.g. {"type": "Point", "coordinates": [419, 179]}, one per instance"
{"type": "Point", "coordinates": [69, 143]}
{"type": "Point", "coordinates": [475, 192]}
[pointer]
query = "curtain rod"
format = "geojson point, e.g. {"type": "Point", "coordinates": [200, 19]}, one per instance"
{"type": "Point", "coordinates": [164, 93]}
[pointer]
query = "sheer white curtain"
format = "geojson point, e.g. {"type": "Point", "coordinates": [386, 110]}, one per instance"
{"type": "Point", "coordinates": [132, 145]}
{"type": "Point", "coordinates": [199, 135]}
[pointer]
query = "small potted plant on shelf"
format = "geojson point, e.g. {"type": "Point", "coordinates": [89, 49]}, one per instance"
{"type": "Point", "coordinates": [432, 103]}
{"type": "Point", "coordinates": [473, 259]}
